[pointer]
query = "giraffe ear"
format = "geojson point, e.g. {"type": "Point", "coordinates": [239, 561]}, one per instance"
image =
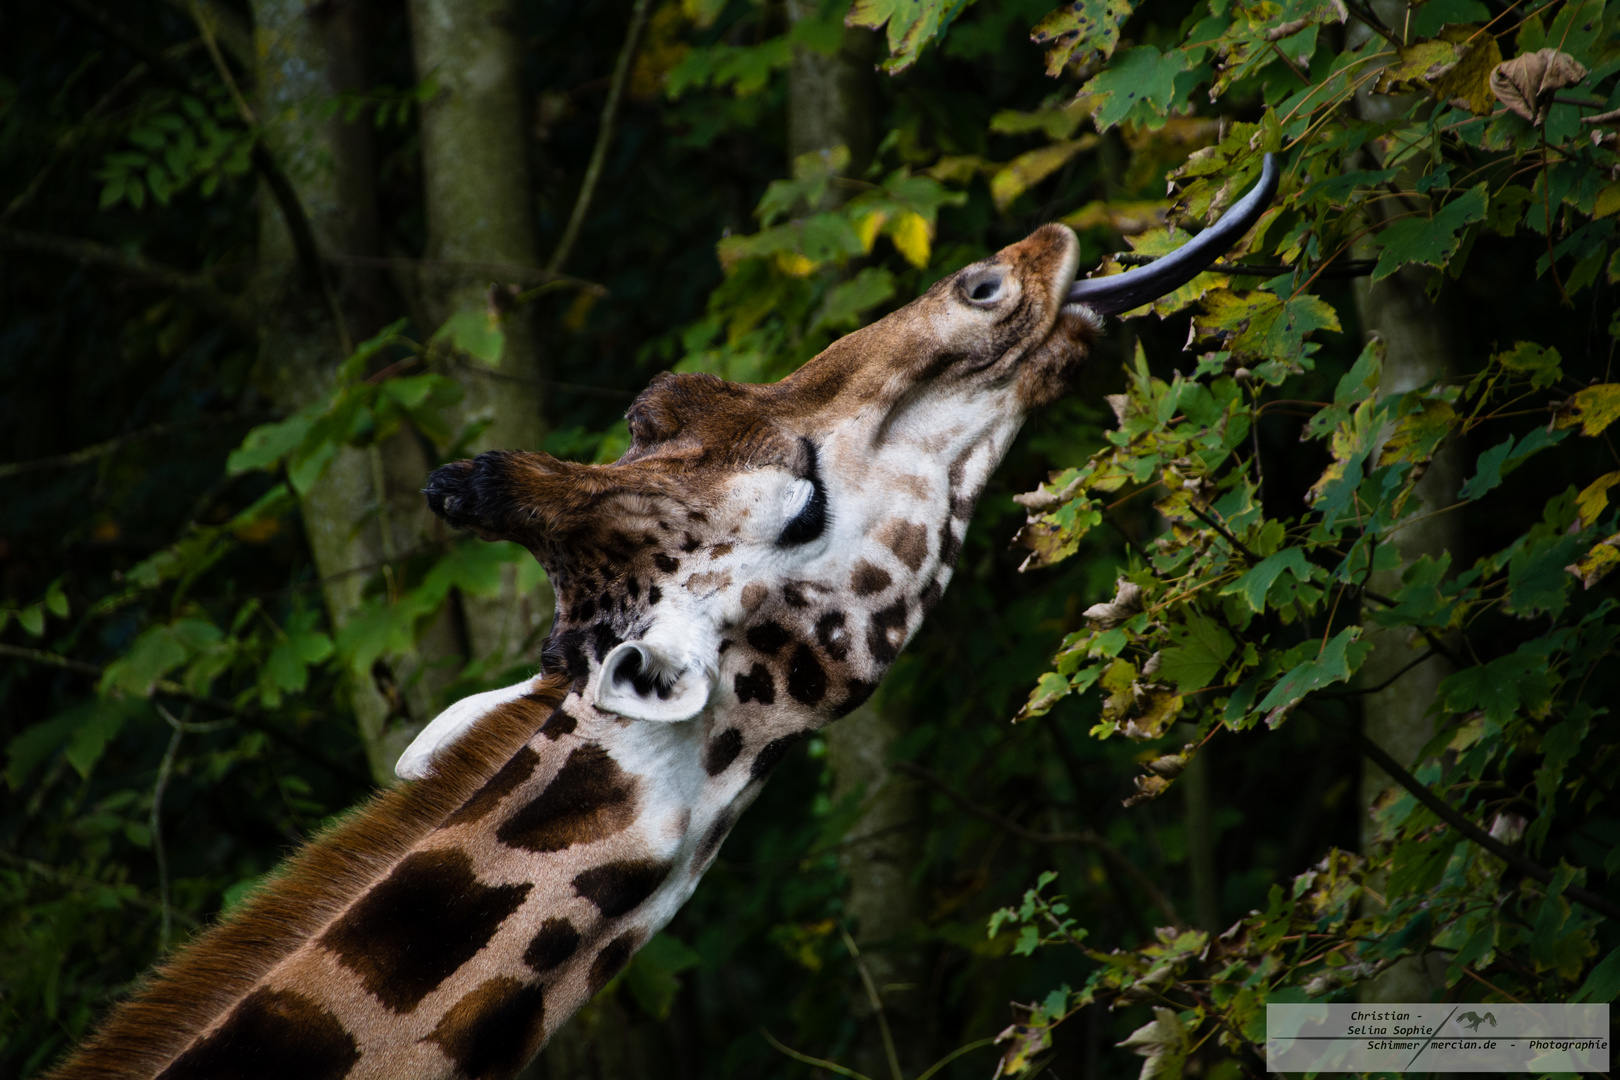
{"type": "Point", "coordinates": [641, 681]}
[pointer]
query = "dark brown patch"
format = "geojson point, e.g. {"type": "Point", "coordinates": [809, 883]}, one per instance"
{"type": "Point", "coordinates": [553, 943]}
{"type": "Point", "coordinates": [720, 551]}
{"type": "Point", "coordinates": [793, 593]}
{"type": "Point", "coordinates": [771, 755]}
{"type": "Point", "coordinates": [665, 563]}
{"type": "Point", "coordinates": [713, 839]}
{"type": "Point", "coordinates": [495, 1030]}
{"type": "Point", "coordinates": [560, 724]}
{"type": "Point", "coordinates": [753, 595]}
{"type": "Point", "coordinates": [619, 887]}
{"type": "Point", "coordinates": [722, 751]}
{"type": "Point", "coordinates": [271, 1035]}
{"type": "Point", "coordinates": [856, 691]}
{"type": "Point", "coordinates": [757, 685]}
{"type": "Point", "coordinates": [908, 541]}
{"type": "Point", "coordinates": [612, 959]}
{"type": "Point", "coordinates": [519, 768]}
{"type": "Point", "coordinates": [412, 931]}
{"type": "Point", "coordinates": [689, 543]}
{"type": "Point", "coordinates": [930, 596]}
{"type": "Point", "coordinates": [949, 546]}
{"type": "Point", "coordinates": [768, 637]}
{"type": "Point", "coordinates": [589, 798]}
{"type": "Point", "coordinates": [806, 681]}
{"type": "Point", "coordinates": [886, 632]}
{"type": "Point", "coordinates": [832, 635]}
{"type": "Point", "coordinates": [868, 579]}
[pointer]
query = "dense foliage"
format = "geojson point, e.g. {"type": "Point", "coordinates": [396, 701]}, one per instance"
{"type": "Point", "coordinates": [1137, 756]}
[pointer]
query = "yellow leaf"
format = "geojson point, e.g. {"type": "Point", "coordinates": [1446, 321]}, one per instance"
{"type": "Point", "coordinates": [1469, 83]}
{"type": "Point", "coordinates": [1125, 218]}
{"type": "Point", "coordinates": [794, 264]}
{"type": "Point", "coordinates": [1596, 564]}
{"type": "Point", "coordinates": [1423, 62]}
{"type": "Point", "coordinates": [912, 236]}
{"type": "Point", "coordinates": [867, 226]}
{"type": "Point", "coordinates": [1594, 408]}
{"type": "Point", "coordinates": [1594, 499]}
{"type": "Point", "coordinates": [1026, 170]}
{"type": "Point", "coordinates": [1608, 201]}
{"type": "Point", "coordinates": [1418, 434]}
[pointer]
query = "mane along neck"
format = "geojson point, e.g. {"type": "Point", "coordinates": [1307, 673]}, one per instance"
{"type": "Point", "coordinates": [221, 965]}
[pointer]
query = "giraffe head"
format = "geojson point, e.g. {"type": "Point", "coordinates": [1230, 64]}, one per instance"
{"type": "Point", "coordinates": [774, 547]}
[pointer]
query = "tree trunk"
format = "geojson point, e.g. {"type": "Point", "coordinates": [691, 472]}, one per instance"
{"type": "Point", "coordinates": [883, 848]}
{"type": "Point", "coordinates": [830, 98]}
{"type": "Point", "coordinates": [479, 218]}
{"type": "Point", "coordinates": [1418, 346]}
{"type": "Point", "coordinates": [306, 54]}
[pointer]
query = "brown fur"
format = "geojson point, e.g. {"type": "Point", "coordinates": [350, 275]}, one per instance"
{"type": "Point", "coordinates": [222, 964]}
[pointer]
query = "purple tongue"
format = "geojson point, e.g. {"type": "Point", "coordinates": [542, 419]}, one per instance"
{"type": "Point", "coordinates": [1132, 289]}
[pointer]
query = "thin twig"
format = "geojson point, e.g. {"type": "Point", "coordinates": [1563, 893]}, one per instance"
{"type": "Point", "coordinates": [820, 1063]}
{"type": "Point", "coordinates": [1381, 686]}
{"type": "Point", "coordinates": [102, 449]}
{"type": "Point", "coordinates": [1451, 816]}
{"type": "Point", "coordinates": [604, 136]}
{"type": "Point", "coordinates": [1241, 547]}
{"type": "Point", "coordinates": [1087, 838]}
{"type": "Point", "coordinates": [877, 1006]}
{"type": "Point", "coordinates": [196, 287]}
{"type": "Point", "coordinates": [154, 823]}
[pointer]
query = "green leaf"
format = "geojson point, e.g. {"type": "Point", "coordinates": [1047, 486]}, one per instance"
{"type": "Point", "coordinates": [1429, 241]}
{"type": "Point", "coordinates": [56, 601]}
{"type": "Point", "coordinates": [1254, 585]}
{"type": "Point", "coordinates": [154, 654]}
{"type": "Point", "coordinates": [1603, 982]}
{"type": "Point", "coordinates": [476, 333]}
{"type": "Point", "coordinates": [1537, 580]}
{"type": "Point", "coordinates": [1141, 75]}
{"type": "Point", "coordinates": [1540, 363]}
{"type": "Point", "coordinates": [89, 741]}
{"type": "Point", "coordinates": [1201, 650]}
{"type": "Point", "coordinates": [652, 977]}
{"type": "Point", "coordinates": [267, 444]}
{"type": "Point", "coordinates": [1336, 662]}
{"type": "Point", "coordinates": [1498, 687]}
{"type": "Point", "coordinates": [848, 300]}
{"type": "Point", "coordinates": [32, 619]}
{"type": "Point", "coordinates": [1487, 471]}
{"type": "Point", "coordinates": [26, 751]}
{"type": "Point", "coordinates": [912, 24]}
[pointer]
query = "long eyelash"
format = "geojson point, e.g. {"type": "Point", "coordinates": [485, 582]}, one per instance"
{"type": "Point", "coordinates": [812, 520]}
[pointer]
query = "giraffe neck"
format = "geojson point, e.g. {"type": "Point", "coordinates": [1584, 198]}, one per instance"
{"type": "Point", "coordinates": [451, 926]}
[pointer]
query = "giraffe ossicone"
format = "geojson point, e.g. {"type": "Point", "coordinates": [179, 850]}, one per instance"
{"type": "Point", "coordinates": [742, 576]}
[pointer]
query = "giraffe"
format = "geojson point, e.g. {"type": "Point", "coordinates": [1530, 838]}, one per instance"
{"type": "Point", "coordinates": [741, 577]}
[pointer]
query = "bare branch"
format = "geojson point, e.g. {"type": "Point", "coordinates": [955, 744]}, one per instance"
{"type": "Point", "coordinates": [1451, 816]}
{"type": "Point", "coordinates": [1086, 838]}
{"type": "Point", "coordinates": [195, 287]}
{"type": "Point", "coordinates": [102, 449]}
{"type": "Point", "coordinates": [604, 136]}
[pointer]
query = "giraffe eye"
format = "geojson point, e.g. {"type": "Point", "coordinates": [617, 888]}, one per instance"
{"type": "Point", "coordinates": [805, 505]}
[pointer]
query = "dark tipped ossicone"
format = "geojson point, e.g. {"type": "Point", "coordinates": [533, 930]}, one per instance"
{"type": "Point", "coordinates": [1132, 289]}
